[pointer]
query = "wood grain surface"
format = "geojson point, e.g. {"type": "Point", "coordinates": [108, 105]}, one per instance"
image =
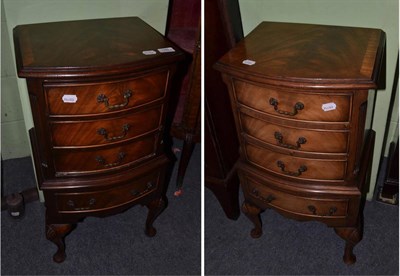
{"type": "Point", "coordinates": [308, 54]}
{"type": "Point", "coordinates": [89, 47]}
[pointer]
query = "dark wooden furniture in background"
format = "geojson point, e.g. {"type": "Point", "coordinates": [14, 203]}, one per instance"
{"type": "Point", "coordinates": [99, 106]}
{"type": "Point", "coordinates": [302, 106]}
{"type": "Point", "coordinates": [389, 192]}
{"type": "Point", "coordinates": [184, 29]}
{"type": "Point", "coordinates": [223, 28]}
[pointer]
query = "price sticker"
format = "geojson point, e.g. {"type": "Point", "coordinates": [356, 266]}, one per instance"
{"type": "Point", "coordinates": [328, 107]}
{"type": "Point", "coordinates": [248, 62]}
{"type": "Point", "coordinates": [149, 52]}
{"type": "Point", "coordinates": [166, 50]}
{"type": "Point", "coordinates": [69, 98]}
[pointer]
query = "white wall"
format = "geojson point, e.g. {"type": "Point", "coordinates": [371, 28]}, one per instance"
{"type": "Point", "coordinates": [14, 142]}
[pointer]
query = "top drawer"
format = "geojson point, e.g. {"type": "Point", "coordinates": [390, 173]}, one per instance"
{"type": "Point", "coordinates": [94, 98]}
{"type": "Point", "coordinates": [292, 104]}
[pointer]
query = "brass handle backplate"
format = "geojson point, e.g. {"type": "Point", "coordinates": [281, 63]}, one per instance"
{"type": "Point", "coordinates": [313, 210]}
{"type": "Point", "coordinates": [102, 161]}
{"type": "Point", "coordinates": [149, 185]}
{"type": "Point", "coordinates": [103, 99]}
{"type": "Point", "coordinates": [103, 132]}
{"type": "Point", "coordinates": [332, 211]}
{"type": "Point", "coordinates": [298, 106]}
{"type": "Point", "coordinates": [135, 192]}
{"type": "Point", "coordinates": [300, 170]}
{"type": "Point", "coordinates": [267, 199]}
{"type": "Point", "coordinates": [279, 139]}
{"type": "Point", "coordinates": [91, 203]}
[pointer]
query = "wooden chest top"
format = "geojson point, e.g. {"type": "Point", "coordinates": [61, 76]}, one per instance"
{"type": "Point", "coordinates": [312, 55]}
{"type": "Point", "coordinates": [90, 47]}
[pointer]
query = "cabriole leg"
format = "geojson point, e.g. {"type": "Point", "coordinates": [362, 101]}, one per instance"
{"type": "Point", "coordinates": [155, 208]}
{"type": "Point", "coordinates": [352, 236]}
{"type": "Point", "coordinates": [253, 213]}
{"type": "Point", "coordinates": [56, 234]}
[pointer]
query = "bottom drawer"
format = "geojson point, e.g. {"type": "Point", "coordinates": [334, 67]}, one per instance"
{"type": "Point", "coordinates": [109, 198]}
{"type": "Point", "coordinates": [299, 205]}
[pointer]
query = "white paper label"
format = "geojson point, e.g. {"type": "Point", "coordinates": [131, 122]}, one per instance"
{"type": "Point", "coordinates": [70, 98]}
{"type": "Point", "coordinates": [248, 62]}
{"type": "Point", "coordinates": [166, 50]}
{"type": "Point", "coordinates": [149, 52]}
{"type": "Point", "coordinates": [328, 107]}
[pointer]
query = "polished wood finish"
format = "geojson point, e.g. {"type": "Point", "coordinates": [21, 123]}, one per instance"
{"type": "Point", "coordinates": [55, 49]}
{"type": "Point", "coordinates": [352, 236]}
{"type": "Point", "coordinates": [142, 90]}
{"type": "Point", "coordinates": [99, 107]}
{"type": "Point", "coordinates": [91, 160]}
{"type": "Point", "coordinates": [249, 95]}
{"type": "Point", "coordinates": [104, 131]}
{"type": "Point", "coordinates": [109, 197]}
{"type": "Point", "coordinates": [307, 55]}
{"type": "Point", "coordinates": [223, 28]}
{"type": "Point", "coordinates": [302, 205]}
{"type": "Point", "coordinates": [253, 214]}
{"type": "Point", "coordinates": [284, 164]}
{"type": "Point", "coordinates": [155, 208]}
{"type": "Point", "coordinates": [302, 110]}
{"type": "Point", "coordinates": [56, 234]}
{"type": "Point", "coordinates": [294, 138]}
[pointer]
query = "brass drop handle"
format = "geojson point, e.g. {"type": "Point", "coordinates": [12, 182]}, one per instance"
{"type": "Point", "coordinates": [332, 211]}
{"type": "Point", "coordinates": [103, 132]}
{"type": "Point", "coordinates": [313, 210]}
{"type": "Point", "coordinates": [300, 170]}
{"type": "Point", "coordinates": [298, 106]}
{"type": "Point", "coordinates": [92, 201]}
{"type": "Point", "coordinates": [279, 139]}
{"type": "Point", "coordinates": [102, 161]}
{"type": "Point", "coordinates": [267, 199]}
{"type": "Point", "coordinates": [71, 204]}
{"type": "Point", "coordinates": [135, 192]}
{"type": "Point", "coordinates": [150, 185]}
{"type": "Point", "coordinates": [103, 99]}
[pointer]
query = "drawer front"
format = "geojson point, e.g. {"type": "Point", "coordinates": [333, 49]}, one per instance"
{"type": "Point", "coordinates": [295, 138]}
{"type": "Point", "coordinates": [308, 206]}
{"type": "Point", "coordinates": [98, 132]}
{"type": "Point", "coordinates": [293, 104]}
{"type": "Point", "coordinates": [94, 160]}
{"type": "Point", "coordinates": [95, 98]}
{"type": "Point", "coordinates": [296, 167]}
{"type": "Point", "coordinates": [97, 201]}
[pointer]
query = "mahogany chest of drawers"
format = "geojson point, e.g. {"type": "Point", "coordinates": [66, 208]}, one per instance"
{"type": "Point", "coordinates": [302, 96]}
{"type": "Point", "coordinates": [99, 93]}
